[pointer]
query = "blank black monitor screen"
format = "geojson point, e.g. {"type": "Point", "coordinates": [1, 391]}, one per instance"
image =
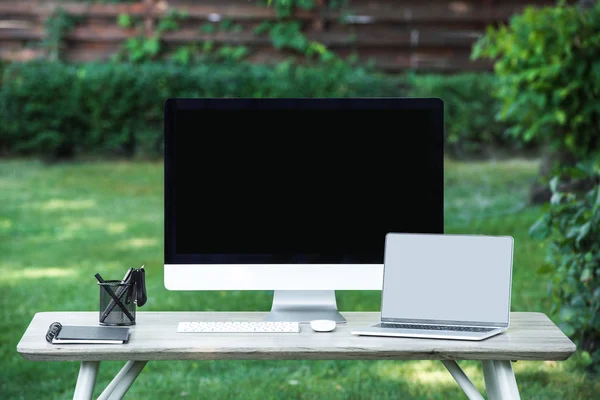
{"type": "Point", "coordinates": [299, 185]}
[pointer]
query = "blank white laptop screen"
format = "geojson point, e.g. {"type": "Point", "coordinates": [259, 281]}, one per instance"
{"type": "Point", "coordinates": [464, 278]}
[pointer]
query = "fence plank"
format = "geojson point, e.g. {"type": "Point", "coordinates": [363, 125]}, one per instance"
{"type": "Point", "coordinates": [407, 38]}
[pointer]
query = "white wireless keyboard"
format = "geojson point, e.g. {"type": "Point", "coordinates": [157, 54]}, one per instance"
{"type": "Point", "coordinates": [233, 327]}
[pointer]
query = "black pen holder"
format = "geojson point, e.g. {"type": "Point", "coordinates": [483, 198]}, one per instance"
{"type": "Point", "coordinates": [117, 305]}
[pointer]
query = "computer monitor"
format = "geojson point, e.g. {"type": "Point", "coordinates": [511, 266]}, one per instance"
{"type": "Point", "coordinates": [296, 195]}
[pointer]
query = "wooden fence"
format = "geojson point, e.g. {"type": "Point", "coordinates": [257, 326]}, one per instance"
{"type": "Point", "coordinates": [396, 35]}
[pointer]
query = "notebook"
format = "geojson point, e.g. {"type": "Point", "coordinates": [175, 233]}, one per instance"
{"type": "Point", "coordinates": [73, 334]}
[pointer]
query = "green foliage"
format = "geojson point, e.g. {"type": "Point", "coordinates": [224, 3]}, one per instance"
{"type": "Point", "coordinates": [124, 21]}
{"type": "Point", "coordinates": [40, 110]}
{"type": "Point", "coordinates": [205, 51]}
{"type": "Point", "coordinates": [470, 126]}
{"type": "Point", "coordinates": [547, 63]}
{"type": "Point", "coordinates": [143, 47]}
{"type": "Point", "coordinates": [572, 222]}
{"type": "Point", "coordinates": [60, 109]}
{"type": "Point", "coordinates": [231, 53]}
{"type": "Point", "coordinates": [549, 69]}
{"type": "Point", "coordinates": [170, 22]}
{"type": "Point", "coordinates": [208, 28]}
{"type": "Point", "coordinates": [286, 33]}
{"type": "Point", "coordinates": [57, 27]}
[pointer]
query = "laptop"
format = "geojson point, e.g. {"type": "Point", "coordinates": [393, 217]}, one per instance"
{"type": "Point", "coordinates": [444, 286]}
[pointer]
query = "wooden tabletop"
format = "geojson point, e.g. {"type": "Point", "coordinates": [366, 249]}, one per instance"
{"type": "Point", "coordinates": [531, 336]}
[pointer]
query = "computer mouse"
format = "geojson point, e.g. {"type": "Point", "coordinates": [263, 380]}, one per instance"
{"type": "Point", "coordinates": [322, 325]}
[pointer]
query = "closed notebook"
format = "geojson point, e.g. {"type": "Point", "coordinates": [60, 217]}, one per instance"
{"type": "Point", "coordinates": [73, 334]}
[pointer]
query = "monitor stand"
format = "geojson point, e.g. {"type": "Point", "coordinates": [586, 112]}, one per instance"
{"type": "Point", "coordinates": [304, 306]}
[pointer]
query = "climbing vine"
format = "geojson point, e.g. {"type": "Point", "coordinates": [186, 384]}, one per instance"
{"type": "Point", "coordinates": [57, 27]}
{"type": "Point", "coordinates": [142, 47]}
{"type": "Point", "coordinates": [285, 33]}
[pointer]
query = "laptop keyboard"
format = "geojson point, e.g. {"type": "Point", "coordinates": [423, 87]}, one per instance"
{"type": "Point", "coordinates": [434, 327]}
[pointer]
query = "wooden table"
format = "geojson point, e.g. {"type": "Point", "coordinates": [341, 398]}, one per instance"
{"type": "Point", "coordinates": [531, 336]}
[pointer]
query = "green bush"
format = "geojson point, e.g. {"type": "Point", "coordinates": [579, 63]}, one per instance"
{"type": "Point", "coordinates": [59, 109]}
{"type": "Point", "coordinates": [548, 69]}
{"type": "Point", "coordinates": [40, 109]}
{"type": "Point", "coordinates": [548, 65]}
{"type": "Point", "coordinates": [470, 125]}
{"type": "Point", "coordinates": [572, 221]}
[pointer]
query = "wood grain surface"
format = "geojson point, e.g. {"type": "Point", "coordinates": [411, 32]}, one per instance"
{"type": "Point", "coordinates": [531, 336]}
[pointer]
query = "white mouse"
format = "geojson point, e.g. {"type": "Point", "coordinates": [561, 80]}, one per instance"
{"type": "Point", "coordinates": [322, 325]}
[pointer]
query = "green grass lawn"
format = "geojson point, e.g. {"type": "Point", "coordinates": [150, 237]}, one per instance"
{"type": "Point", "coordinates": [60, 224]}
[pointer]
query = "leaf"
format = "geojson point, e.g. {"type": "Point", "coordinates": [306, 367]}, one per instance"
{"type": "Point", "coordinates": [572, 232]}
{"type": "Point", "coordinates": [586, 275]}
{"type": "Point", "coordinates": [554, 184]}
{"type": "Point", "coordinates": [124, 21]}
{"type": "Point", "coordinates": [567, 313]}
{"type": "Point", "coordinates": [182, 55]}
{"type": "Point", "coordinates": [226, 24]}
{"type": "Point", "coordinates": [576, 172]}
{"type": "Point", "coordinates": [583, 231]}
{"type": "Point", "coordinates": [556, 198]}
{"type": "Point", "coordinates": [167, 25]}
{"type": "Point", "coordinates": [239, 52]}
{"type": "Point", "coordinates": [264, 27]}
{"type": "Point", "coordinates": [541, 228]}
{"type": "Point", "coordinates": [578, 301]}
{"type": "Point", "coordinates": [208, 28]}
{"type": "Point", "coordinates": [152, 46]}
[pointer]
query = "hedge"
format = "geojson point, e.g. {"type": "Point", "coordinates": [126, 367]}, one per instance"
{"type": "Point", "coordinates": [60, 110]}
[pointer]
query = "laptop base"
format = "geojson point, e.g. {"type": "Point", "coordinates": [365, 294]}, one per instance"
{"type": "Point", "coordinates": [426, 334]}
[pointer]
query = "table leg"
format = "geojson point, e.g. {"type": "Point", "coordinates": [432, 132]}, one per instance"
{"type": "Point", "coordinates": [491, 383]}
{"type": "Point", "coordinates": [507, 382]}
{"type": "Point", "coordinates": [86, 380]}
{"type": "Point", "coordinates": [500, 381]}
{"type": "Point", "coordinates": [121, 383]}
{"type": "Point", "coordinates": [462, 379]}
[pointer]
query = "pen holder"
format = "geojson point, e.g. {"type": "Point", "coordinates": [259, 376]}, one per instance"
{"type": "Point", "coordinates": [117, 305]}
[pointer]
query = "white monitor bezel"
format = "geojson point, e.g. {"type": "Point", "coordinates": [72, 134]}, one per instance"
{"type": "Point", "coordinates": [273, 276]}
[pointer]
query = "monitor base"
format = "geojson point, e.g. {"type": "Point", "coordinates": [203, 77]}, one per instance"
{"type": "Point", "coordinates": [304, 306]}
